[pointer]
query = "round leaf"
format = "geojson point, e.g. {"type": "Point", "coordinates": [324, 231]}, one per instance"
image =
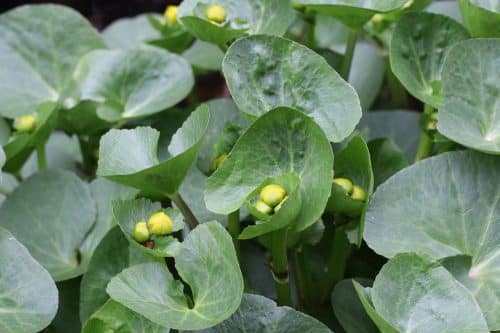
{"type": "Point", "coordinates": [470, 114]}
{"type": "Point", "coordinates": [265, 72]}
{"type": "Point", "coordinates": [127, 33]}
{"type": "Point", "coordinates": [280, 142]}
{"type": "Point", "coordinates": [481, 17]}
{"type": "Point", "coordinates": [206, 262]}
{"type": "Point", "coordinates": [28, 301]}
{"type": "Point", "coordinates": [130, 157]}
{"type": "Point", "coordinates": [419, 45]}
{"type": "Point", "coordinates": [51, 213]}
{"type": "Point", "coordinates": [444, 206]}
{"type": "Point", "coordinates": [133, 83]}
{"type": "Point", "coordinates": [40, 46]}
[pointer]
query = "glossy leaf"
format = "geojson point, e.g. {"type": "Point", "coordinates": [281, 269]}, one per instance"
{"type": "Point", "coordinates": [260, 314]}
{"type": "Point", "coordinates": [265, 72]}
{"type": "Point", "coordinates": [481, 17]}
{"type": "Point", "coordinates": [444, 206]}
{"type": "Point", "coordinates": [281, 142]}
{"type": "Point", "coordinates": [206, 262]}
{"type": "Point", "coordinates": [470, 114]}
{"type": "Point", "coordinates": [415, 294]}
{"type": "Point", "coordinates": [130, 157]}
{"type": "Point", "coordinates": [40, 46]}
{"type": "Point", "coordinates": [419, 45]}
{"type": "Point", "coordinates": [28, 301]}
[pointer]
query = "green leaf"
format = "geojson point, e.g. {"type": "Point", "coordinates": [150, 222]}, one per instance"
{"type": "Point", "coordinates": [204, 56]}
{"type": "Point", "coordinates": [419, 45]}
{"type": "Point", "coordinates": [440, 207]}
{"type": "Point", "coordinates": [129, 212]}
{"type": "Point", "coordinates": [66, 319]}
{"type": "Point", "coordinates": [40, 46]}
{"type": "Point", "coordinates": [206, 262]}
{"type": "Point", "coordinates": [260, 314]}
{"type": "Point", "coordinates": [265, 72]}
{"type": "Point", "coordinates": [470, 114]}
{"type": "Point", "coordinates": [130, 32]}
{"type": "Point", "coordinates": [348, 308]}
{"type": "Point", "coordinates": [50, 213]}
{"type": "Point", "coordinates": [244, 17]}
{"type": "Point", "coordinates": [280, 142]}
{"type": "Point", "coordinates": [386, 158]}
{"type": "Point", "coordinates": [28, 301]}
{"type": "Point", "coordinates": [113, 317]}
{"type": "Point", "coordinates": [4, 132]}
{"type": "Point", "coordinates": [133, 83]}
{"type": "Point", "coordinates": [415, 294]}
{"type": "Point", "coordinates": [81, 119]}
{"type": "Point", "coordinates": [111, 256]}
{"type": "Point", "coordinates": [130, 157]}
{"type": "Point", "coordinates": [481, 17]}
{"type": "Point", "coordinates": [448, 8]}
{"type": "Point", "coordinates": [354, 14]}
{"type": "Point", "coordinates": [2, 158]}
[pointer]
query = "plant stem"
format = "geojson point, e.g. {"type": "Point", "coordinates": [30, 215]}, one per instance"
{"type": "Point", "coordinates": [233, 226]}
{"type": "Point", "coordinates": [41, 158]}
{"type": "Point", "coordinates": [185, 210]}
{"type": "Point", "coordinates": [303, 278]}
{"type": "Point", "coordinates": [399, 97]}
{"type": "Point", "coordinates": [349, 53]}
{"type": "Point", "coordinates": [341, 250]}
{"type": "Point", "coordinates": [425, 144]}
{"type": "Point", "coordinates": [280, 266]}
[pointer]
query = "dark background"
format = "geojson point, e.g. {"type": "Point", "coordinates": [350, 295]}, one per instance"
{"type": "Point", "coordinates": [101, 12]}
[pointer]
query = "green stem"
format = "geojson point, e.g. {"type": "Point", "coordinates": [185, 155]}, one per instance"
{"type": "Point", "coordinates": [425, 144]}
{"type": "Point", "coordinates": [280, 266]}
{"type": "Point", "coordinates": [185, 210]}
{"type": "Point", "coordinates": [41, 158]}
{"type": "Point", "coordinates": [349, 53]}
{"type": "Point", "coordinates": [303, 278]}
{"type": "Point", "coordinates": [341, 250]}
{"type": "Point", "coordinates": [233, 226]}
{"type": "Point", "coordinates": [399, 97]}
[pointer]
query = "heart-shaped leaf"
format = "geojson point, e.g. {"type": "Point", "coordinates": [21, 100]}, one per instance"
{"type": "Point", "coordinates": [259, 314]}
{"type": "Point", "coordinates": [354, 14]}
{"type": "Point", "coordinates": [148, 80]}
{"type": "Point", "coordinates": [414, 294]}
{"type": "Point", "coordinates": [40, 46]}
{"type": "Point", "coordinates": [130, 157]}
{"type": "Point", "coordinates": [265, 72]}
{"type": "Point", "coordinates": [206, 262]}
{"type": "Point", "coordinates": [481, 17]}
{"type": "Point", "coordinates": [470, 113]}
{"type": "Point", "coordinates": [244, 17]}
{"type": "Point", "coordinates": [419, 45]}
{"type": "Point", "coordinates": [111, 256]}
{"type": "Point", "coordinates": [444, 206]}
{"type": "Point", "coordinates": [113, 317]}
{"type": "Point", "coordinates": [28, 301]}
{"type": "Point", "coordinates": [130, 32]}
{"type": "Point", "coordinates": [282, 141]}
{"type": "Point", "coordinates": [50, 213]}
{"type": "Point", "coordinates": [129, 212]}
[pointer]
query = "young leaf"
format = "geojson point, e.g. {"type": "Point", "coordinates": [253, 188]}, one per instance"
{"type": "Point", "coordinates": [51, 212]}
{"type": "Point", "coordinates": [133, 83]}
{"type": "Point", "coordinates": [40, 46]}
{"type": "Point", "coordinates": [419, 45]}
{"type": "Point", "coordinates": [28, 301]}
{"type": "Point", "coordinates": [130, 157]}
{"type": "Point", "coordinates": [415, 294]}
{"type": "Point", "coordinates": [481, 17]}
{"type": "Point", "coordinates": [259, 314]}
{"type": "Point", "coordinates": [265, 72]}
{"type": "Point", "coordinates": [206, 262]}
{"type": "Point", "coordinates": [440, 207]}
{"type": "Point", "coordinates": [280, 142]}
{"type": "Point", "coordinates": [113, 317]}
{"type": "Point", "coordinates": [470, 113]}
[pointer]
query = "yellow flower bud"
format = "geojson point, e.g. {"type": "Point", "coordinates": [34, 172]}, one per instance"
{"type": "Point", "coordinates": [216, 14]}
{"type": "Point", "coordinates": [278, 207]}
{"type": "Point", "coordinates": [141, 232]}
{"type": "Point", "coordinates": [160, 224]}
{"type": "Point", "coordinates": [272, 194]}
{"type": "Point", "coordinates": [171, 14]}
{"type": "Point", "coordinates": [25, 123]}
{"type": "Point", "coordinates": [262, 207]}
{"type": "Point", "coordinates": [218, 161]}
{"type": "Point", "coordinates": [358, 193]}
{"type": "Point", "coordinates": [345, 183]}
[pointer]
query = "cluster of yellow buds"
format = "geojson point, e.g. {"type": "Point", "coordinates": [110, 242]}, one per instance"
{"type": "Point", "coordinates": [159, 224]}
{"type": "Point", "coordinates": [25, 123]}
{"type": "Point", "coordinates": [271, 199]}
{"type": "Point", "coordinates": [217, 162]}
{"type": "Point", "coordinates": [354, 191]}
{"type": "Point", "coordinates": [171, 14]}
